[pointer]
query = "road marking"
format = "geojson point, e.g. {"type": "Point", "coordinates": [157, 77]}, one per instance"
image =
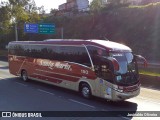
{"type": "Point", "coordinates": [21, 84]}
{"type": "Point", "coordinates": [81, 103]}
{"type": "Point", "coordinates": [46, 91]}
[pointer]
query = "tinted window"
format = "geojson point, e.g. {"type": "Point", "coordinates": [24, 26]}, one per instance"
{"type": "Point", "coordinates": [75, 54]}
{"type": "Point", "coordinates": [72, 54]}
{"type": "Point", "coordinates": [96, 52]}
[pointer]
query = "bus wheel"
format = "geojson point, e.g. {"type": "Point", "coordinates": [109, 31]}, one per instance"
{"type": "Point", "coordinates": [24, 75]}
{"type": "Point", "coordinates": [85, 91]}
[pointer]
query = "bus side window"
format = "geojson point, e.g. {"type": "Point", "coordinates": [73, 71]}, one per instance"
{"type": "Point", "coordinates": [76, 54]}
{"type": "Point", "coordinates": [101, 65]}
{"type": "Point", "coordinates": [95, 53]}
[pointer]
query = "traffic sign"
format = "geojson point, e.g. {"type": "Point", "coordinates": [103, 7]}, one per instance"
{"type": "Point", "coordinates": [31, 28]}
{"type": "Point", "coordinates": [46, 28]}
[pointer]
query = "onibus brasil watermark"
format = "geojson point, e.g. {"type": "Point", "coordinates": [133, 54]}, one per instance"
{"type": "Point", "coordinates": [21, 114]}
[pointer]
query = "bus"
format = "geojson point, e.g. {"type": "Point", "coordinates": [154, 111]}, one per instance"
{"type": "Point", "coordinates": [93, 67]}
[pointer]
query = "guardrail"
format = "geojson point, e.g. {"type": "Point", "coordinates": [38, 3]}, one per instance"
{"type": "Point", "coordinates": [150, 81]}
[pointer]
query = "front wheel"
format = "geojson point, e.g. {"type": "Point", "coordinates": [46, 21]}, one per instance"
{"type": "Point", "coordinates": [24, 76]}
{"type": "Point", "coordinates": [85, 91]}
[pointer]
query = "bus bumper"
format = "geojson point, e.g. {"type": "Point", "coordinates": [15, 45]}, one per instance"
{"type": "Point", "coordinates": [119, 96]}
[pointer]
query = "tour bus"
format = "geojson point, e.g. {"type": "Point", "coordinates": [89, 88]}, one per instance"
{"type": "Point", "coordinates": [93, 67]}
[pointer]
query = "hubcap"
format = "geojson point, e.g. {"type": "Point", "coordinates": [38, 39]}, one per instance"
{"type": "Point", "coordinates": [24, 76]}
{"type": "Point", "coordinates": [85, 91]}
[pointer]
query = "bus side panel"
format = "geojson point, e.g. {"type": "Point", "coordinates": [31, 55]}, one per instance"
{"type": "Point", "coordinates": [64, 74]}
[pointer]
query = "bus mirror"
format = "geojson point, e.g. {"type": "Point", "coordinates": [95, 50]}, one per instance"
{"type": "Point", "coordinates": [145, 63]}
{"type": "Point", "coordinates": [115, 63]}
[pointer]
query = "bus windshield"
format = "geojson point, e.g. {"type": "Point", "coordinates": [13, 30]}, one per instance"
{"type": "Point", "coordinates": [128, 72]}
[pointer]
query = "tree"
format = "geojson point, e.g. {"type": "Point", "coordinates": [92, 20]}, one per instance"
{"type": "Point", "coordinates": [96, 5]}
{"type": "Point", "coordinates": [54, 12]}
{"type": "Point", "coordinates": [115, 2]}
{"type": "Point", "coordinates": [17, 12]}
{"type": "Point", "coordinates": [41, 10]}
{"type": "Point", "coordinates": [4, 18]}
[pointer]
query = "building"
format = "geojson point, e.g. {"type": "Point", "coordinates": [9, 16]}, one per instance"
{"type": "Point", "coordinates": [80, 5]}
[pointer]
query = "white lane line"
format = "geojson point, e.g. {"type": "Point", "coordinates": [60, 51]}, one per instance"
{"type": "Point", "coordinates": [45, 91]}
{"type": "Point", "coordinates": [21, 84]}
{"type": "Point", "coordinates": [81, 103]}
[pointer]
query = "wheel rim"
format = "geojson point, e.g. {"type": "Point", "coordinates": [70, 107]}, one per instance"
{"type": "Point", "coordinates": [85, 91]}
{"type": "Point", "coordinates": [24, 76]}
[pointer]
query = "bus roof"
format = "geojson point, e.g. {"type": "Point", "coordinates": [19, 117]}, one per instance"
{"type": "Point", "coordinates": [108, 45]}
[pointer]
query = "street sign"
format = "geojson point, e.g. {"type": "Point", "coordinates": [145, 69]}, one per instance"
{"type": "Point", "coordinates": [46, 28]}
{"type": "Point", "coordinates": [31, 28]}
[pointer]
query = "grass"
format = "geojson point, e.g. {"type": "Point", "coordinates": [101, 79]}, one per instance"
{"type": "Point", "coordinates": [145, 6]}
{"type": "Point", "coordinates": [3, 52]}
{"type": "Point", "coordinates": [149, 73]}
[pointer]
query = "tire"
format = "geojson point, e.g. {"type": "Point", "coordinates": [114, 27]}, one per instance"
{"type": "Point", "coordinates": [24, 76]}
{"type": "Point", "coordinates": [85, 91]}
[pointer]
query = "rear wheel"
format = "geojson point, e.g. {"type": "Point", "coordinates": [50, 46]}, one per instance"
{"type": "Point", "coordinates": [85, 90]}
{"type": "Point", "coordinates": [24, 75]}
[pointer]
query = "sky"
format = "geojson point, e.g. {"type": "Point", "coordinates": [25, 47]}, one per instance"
{"type": "Point", "coordinates": [48, 4]}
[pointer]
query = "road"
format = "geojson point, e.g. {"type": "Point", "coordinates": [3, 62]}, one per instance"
{"type": "Point", "coordinates": [16, 95]}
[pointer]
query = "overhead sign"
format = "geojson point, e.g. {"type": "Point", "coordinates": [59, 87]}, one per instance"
{"type": "Point", "coordinates": [46, 28]}
{"type": "Point", "coordinates": [31, 28]}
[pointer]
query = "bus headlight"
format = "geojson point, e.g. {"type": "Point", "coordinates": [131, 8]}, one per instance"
{"type": "Point", "coordinates": [118, 78]}
{"type": "Point", "coordinates": [118, 88]}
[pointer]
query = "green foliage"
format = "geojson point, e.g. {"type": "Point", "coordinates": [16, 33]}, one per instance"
{"type": "Point", "coordinates": [147, 5]}
{"type": "Point", "coordinates": [4, 19]}
{"type": "Point", "coordinates": [96, 5]}
{"type": "Point", "coordinates": [16, 12]}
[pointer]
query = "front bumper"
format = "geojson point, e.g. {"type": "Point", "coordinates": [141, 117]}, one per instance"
{"type": "Point", "coordinates": [118, 96]}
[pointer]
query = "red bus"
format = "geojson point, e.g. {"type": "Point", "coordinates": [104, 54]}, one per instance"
{"type": "Point", "coordinates": [93, 67]}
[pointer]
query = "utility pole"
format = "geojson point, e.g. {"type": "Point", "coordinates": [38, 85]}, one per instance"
{"type": "Point", "coordinates": [62, 32]}
{"type": "Point", "coordinates": [16, 32]}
